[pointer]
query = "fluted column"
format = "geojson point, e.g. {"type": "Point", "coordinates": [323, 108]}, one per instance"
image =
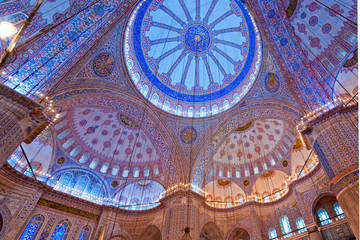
{"type": "Point", "coordinates": [334, 138]}
{"type": "Point", "coordinates": [21, 120]}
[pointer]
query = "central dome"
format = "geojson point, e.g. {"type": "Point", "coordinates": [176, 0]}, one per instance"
{"type": "Point", "coordinates": [192, 58]}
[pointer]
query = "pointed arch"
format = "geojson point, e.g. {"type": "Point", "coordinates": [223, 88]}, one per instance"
{"type": "Point", "coordinates": [61, 230]}
{"type": "Point", "coordinates": [152, 232]}
{"type": "Point", "coordinates": [32, 228]}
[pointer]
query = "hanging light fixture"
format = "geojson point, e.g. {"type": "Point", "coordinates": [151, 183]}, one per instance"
{"type": "Point", "coordinates": [186, 235]}
{"type": "Point", "coordinates": [7, 29]}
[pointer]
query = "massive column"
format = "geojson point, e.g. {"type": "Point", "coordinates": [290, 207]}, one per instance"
{"type": "Point", "coordinates": [21, 120]}
{"type": "Point", "coordinates": [334, 137]}
{"type": "Point", "coordinates": [314, 233]}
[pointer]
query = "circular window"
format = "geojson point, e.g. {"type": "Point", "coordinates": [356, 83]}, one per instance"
{"type": "Point", "coordinates": [192, 58]}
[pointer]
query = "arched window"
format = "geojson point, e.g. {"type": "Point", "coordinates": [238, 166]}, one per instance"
{"type": "Point", "coordinates": [28, 171]}
{"type": "Point", "coordinates": [104, 167]}
{"type": "Point", "coordinates": [202, 111]}
{"type": "Point", "coordinates": [178, 110]}
{"type": "Point", "coordinates": [256, 169]}
{"type": "Point", "coordinates": [272, 234]}
{"type": "Point", "coordinates": [146, 171]}
{"type": "Point", "coordinates": [156, 170]}
{"type": "Point", "coordinates": [66, 179]}
{"type": "Point", "coordinates": [277, 195]}
{"type": "Point", "coordinates": [63, 134]}
{"type": "Point", "coordinates": [125, 172]}
{"type": "Point", "coordinates": [215, 109]}
{"type": "Point", "coordinates": [68, 143]}
{"type": "Point", "coordinates": [190, 112]}
{"type": "Point", "coordinates": [221, 172]}
{"type": "Point", "coordinates": [136, 172]}
{"type": "Point", "coordinates": [94, 163]}
{"type": "Point", "coordinates": [60, 124]}
{"type": "Point", "coordinates": [95, 191]}
{"type": "Point", "coordinates": [300, 224]}
{"type": "Point", "coordinates": [61, 230]}
{"type": "Point", "coordinates": [228, 173]}
{"type": "Point", "coordinates": [228, 202]}
{"type": "Point", "coordinates": [32, 228]}
{"type": "Point", "coordinates": [81, 184]}
{"type": "Point", "coordinates": [339, 211]}
{"type": "Point", "coordinates": [115, 170]}
{"type": "Point", "coordinates": [134, 204]}
{"type": "Point", "coordinates": [147, 203]}
{"type": "Point", "coordinates": [75, 151]}
{"type": "Point", "coordinates": [240, 199]}
{"type": "Point", "coordinates": [285, 226]}
{"type": "Point", "coordinates": [266, 197]}
{"type": "Point", "coordinates": [84, 157]}
{"type": "Point", "coordinates": [323, 216]}
{"type": "Point", "coordinates": [247, 172]}
{"type": "Point", "coordinates": [238, 174]}
{"type": "Point", "coordinates": [264, 166]}
{"type": "Point", "coordinates": [85, 233]}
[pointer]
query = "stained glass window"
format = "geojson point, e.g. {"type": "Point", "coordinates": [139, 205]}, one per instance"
{"type": "Point", "coordinates": [104, 167]}
{"type": "Point", "coordinates": [300, 224]}
{"type": "Point", "coordinates": [147, 203]}
{"type": "Point", "coordinates": [240, 200]}
{"type": "Point", "coordinates": [264, 165]}
{"type": "Point", "coordinates": [272, 234]}
{"type": "Point", "coordinates": [256, 169]}
{"type": "Point", "coordinates": [277, 195]}
{"type": "Point", "coordinates": [228, 202]}
{"type": "Point", "coordinates": [323, 216]}
{"type": "Point", "coordinates": [32, 228]}
{"type": "Point", "coordinates": [136, 172]}
{"type": "Point", "coordinates": [146, 171]}
{"type": "Point", "coordinates": [75, 151]}
{"type": "Point", "coordinates": [84, 157]}
{"type": "Point", "coordinates": [66, 179]}
{"type": "Point", "coordinates": [28, 171]}
{"type": "Point", "coordinates": [61, 230]}
{"type": "Point", "coordinates": [134, 204]}
{"type": "Point", "coordinates": [238, 175]}
{"type": "Point", "coordinates": [115, 170]}
{"type": "Point", "coordinates": [60, 124]}
{"type": "Point", "coordinates": [221, 172]}
{"type": "Point", "coordinates": [68, 143]}
{"type": "Point", "coordinates": [156, 170]}
{"type": "Point", "coordinates": [81, 184]}
{"type": "Point", "coordinates": [266, 198]}
{"type": "Point", "coordinates": [85, 233]}
{"type": "Point", "coordinates": [247, 172]}
{"type": "Point", "coordinates": [125, 172]}
{"type": "Point", "coordinates": [94, 163]}
{"type": "Point", "coordinates": [339, 211]}
{"type": "Point", "coordinates": [285, 226]}
{"type": "Point", "coordinates": [63, 134]}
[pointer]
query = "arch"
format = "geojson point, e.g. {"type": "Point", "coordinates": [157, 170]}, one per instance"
{"type": "Point", "coordinates": [211, 231]}
{"type": "Point", "coordinates": [32, 228]}
{"type": "Point", "coordinates": [285, 226]}
{"type": "Point", "coordinates": [239, 233]}
{"type": "Point", "coordinates": [326, 201]}
{"type": "Point", "coordinates": [61, 230]}
{"type": "Point", "coordinates": [146, 171]}
{"type": "Point", "coordinates": [272, 233]}
{"type": "Point", "coordinates": [300, 224]}
{"type": "Point", "coordinates": [85, 233]}
{"type": "Point", "coordinates": [152, 232]}
{"type": "Point", "coordinates": [339, 212]}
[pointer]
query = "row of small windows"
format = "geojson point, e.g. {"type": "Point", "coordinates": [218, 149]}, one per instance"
{"type": "Point", "coordinates": [125, 173]}
{"type": "Point", "coordinates": [60, 232]}
{"type": "Point", "coordinates": [300, 224]}
{"type": "Point", "coordinates": [243, 172]}
{"type": "Point", "coordinates": [190, 111]}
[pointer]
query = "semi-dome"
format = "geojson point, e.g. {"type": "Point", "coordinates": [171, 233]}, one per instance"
{"type": "Point", "coordinates": [193, 60]}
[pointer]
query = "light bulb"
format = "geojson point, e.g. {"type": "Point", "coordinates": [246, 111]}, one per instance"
{"type": "Point", "coordinates": [7, 29]}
